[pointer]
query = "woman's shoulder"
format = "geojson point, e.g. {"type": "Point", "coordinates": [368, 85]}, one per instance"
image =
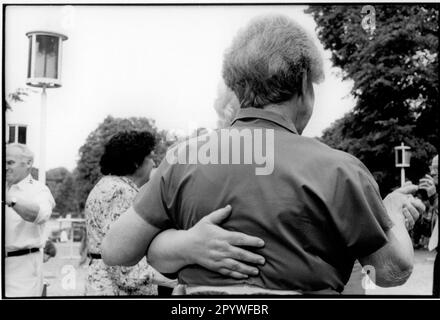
{"type": "Point", "coordinates": [108, 187]}
{"type": "Point", "coordinates": [110, 182]}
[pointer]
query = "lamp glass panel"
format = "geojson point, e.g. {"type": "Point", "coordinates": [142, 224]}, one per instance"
{"type": "Point", "coordinates": [399, 159]}
{"type": "Point", "coordinates": [46, 59]}
{"type": "Point", "coordinates": [29, 58]}
{"type": "Point", "coordinates": [407, 157]}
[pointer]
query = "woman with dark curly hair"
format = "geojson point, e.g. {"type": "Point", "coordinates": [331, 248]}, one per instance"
{"type": "Point", "coordinates": [126, 165]}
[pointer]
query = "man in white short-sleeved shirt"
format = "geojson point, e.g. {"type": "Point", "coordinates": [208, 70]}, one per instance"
{"type": "Point", "coordinates": [29, 205]}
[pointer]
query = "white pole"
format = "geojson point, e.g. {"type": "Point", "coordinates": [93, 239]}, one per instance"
{"type": "Point", "coordinates": [402, 176]}
{"type": "Point", "coordinates": [402, 170]}
{"type": "Point", "coordinates": [42, 166]}
{"type": "Point", "coordinates": [71, 240]}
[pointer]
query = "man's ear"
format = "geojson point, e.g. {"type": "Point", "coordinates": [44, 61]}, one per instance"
{"type": "Point", "coordinates": [304, 84]}
{"type": "Point", "coordinates": [29, 163]}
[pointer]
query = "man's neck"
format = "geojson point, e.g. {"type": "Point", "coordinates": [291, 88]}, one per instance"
{"type": "Point", "coordinates": [9, 184]}
{"type": "Point", "coordinates": [283, 109]}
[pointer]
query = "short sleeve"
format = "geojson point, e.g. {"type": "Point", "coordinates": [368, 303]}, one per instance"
{"type": "Point", "coordinates": [357, 210]}
{"type": "Point", "coordinates": [46, 204]}
{"type": "Point", "coordinates": [118, 198]}
{"type": "Point", "coordinates": [150, 203]}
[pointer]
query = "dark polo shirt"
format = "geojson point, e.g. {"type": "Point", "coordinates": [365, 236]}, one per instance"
{"type": "Point", "coordinates": [318, 211]}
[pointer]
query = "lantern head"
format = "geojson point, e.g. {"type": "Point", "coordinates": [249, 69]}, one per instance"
{"type": "Point", "coordinates": [403, 156]}
{"type": "Point", "coordinates": [44, 60]}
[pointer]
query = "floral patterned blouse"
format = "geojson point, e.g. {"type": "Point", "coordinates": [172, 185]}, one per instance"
{"type": "Point", "coordinates": [110, 198]}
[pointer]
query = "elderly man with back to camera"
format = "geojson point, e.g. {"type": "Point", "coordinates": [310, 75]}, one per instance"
{"type": "Point", "coordinates": [227, 107]}
{"type": "Point", "coordinates": [318, 210]}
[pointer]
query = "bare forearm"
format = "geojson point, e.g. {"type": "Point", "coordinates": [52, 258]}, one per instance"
{"type": "Point", "coordinates": [127, 240]}
{"type": "Point", "coordinates": [399, 234]}
{"type": "Point", "coordinates": [27, 209]}
{"type": "Point", "coordinates": [393, 263]}
{"type": "Point", "coordinates": [394, 267]}
{"type": "Point", "coordinates": [168, 252]}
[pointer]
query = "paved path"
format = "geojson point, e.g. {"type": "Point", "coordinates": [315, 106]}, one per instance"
{"type": "Point", "coordinates": [63, 273]}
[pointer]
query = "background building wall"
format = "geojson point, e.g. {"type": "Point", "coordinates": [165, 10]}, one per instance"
{"type": "Point", "coordinates": [26, 113]}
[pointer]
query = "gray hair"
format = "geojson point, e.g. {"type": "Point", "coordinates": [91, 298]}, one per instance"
{"type": "Point", "coordinates": [268, 59]}
{"type": "Point", "coordinates": [26, 153]}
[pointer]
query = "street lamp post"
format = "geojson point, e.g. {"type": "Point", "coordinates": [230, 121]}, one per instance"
{"type": "Point", "coordinates": [403, 158]}
{"type": "Point", "coordinates": [44, 71]}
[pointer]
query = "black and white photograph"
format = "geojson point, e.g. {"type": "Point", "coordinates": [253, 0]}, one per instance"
{"type": "Point", "coordinates": [203, 150]}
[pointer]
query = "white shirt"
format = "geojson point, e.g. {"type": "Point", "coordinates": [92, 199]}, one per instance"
{"type": "Point", "coordinates": [433, 240]}
{"type": "Point", "coordinates": [20, 234]}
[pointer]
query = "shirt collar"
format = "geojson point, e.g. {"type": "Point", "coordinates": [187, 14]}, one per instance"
{"type": "Point", "coordinates": [254, 113]}
{"type": "Point", "coordinates": [23, 182]}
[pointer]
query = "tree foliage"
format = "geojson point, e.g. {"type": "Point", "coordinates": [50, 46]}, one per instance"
{"type": "Point", "coordinates": [61, 184]}
{"type": "Point", "coordinates": [17, 96]}
{"type": "Point", "coordinates": [395, 75]}
{"type": "Point", "coordinates": [87, 172]}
